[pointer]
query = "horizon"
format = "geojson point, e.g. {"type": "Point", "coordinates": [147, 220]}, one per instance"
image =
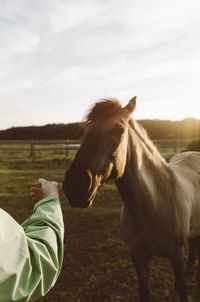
{"type": "Point", "coordinates": [59, 57]}
{"type": "Point", "coordinates": [138, 120]}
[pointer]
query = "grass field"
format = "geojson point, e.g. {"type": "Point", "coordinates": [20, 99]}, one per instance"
{"type": "Point", "coordinates": [97, 266]}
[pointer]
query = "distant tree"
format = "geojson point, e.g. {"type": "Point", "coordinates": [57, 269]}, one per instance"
{"type": "Point", "coordinates": [164, 129]}
{"type": "Point", "coordinates": [157, 129]}
{"type": "Point", "coordinates": [51, 131]}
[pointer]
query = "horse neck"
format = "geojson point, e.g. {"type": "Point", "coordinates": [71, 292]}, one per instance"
{"type": "Point", "coordinates": [146, 173]}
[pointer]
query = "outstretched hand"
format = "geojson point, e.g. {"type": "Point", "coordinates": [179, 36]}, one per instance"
{"type": "Point", "coordinates": [44, 188]}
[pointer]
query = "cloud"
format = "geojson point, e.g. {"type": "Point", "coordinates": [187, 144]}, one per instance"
{"type": "Point", "coordinates": [67, 54]}
{"type": "Point", "coordinates": [66, 15]}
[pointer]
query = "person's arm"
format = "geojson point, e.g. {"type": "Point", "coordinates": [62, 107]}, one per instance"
{"type": "Point", "coordinates": [31, 254]}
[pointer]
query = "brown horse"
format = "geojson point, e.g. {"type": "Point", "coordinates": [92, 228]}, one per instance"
{"type": "Point", "coordinates": [161, 200]}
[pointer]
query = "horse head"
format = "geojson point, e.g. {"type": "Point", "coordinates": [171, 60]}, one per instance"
{"type": "Point", "coordinates": [102, 153]}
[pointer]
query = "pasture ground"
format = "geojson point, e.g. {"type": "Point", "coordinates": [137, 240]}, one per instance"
{"type": "Point", "coordinates": [97, 266]}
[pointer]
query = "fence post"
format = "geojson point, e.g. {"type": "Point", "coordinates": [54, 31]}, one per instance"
{"type": "Point", "coordinates": [67, 148]}
{"type": "Point", "coordinates": [175, 146]}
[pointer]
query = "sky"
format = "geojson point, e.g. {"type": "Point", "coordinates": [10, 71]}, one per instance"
{"type": "Point", "coordinates": [58, 57]}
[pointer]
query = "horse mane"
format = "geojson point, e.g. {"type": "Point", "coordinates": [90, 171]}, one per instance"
{"type": "Point", "coordinates": [104, 110]}
{"type": "Point", "coordinates": [146, 142]}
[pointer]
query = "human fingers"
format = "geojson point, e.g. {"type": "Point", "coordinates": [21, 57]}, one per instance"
{"type": "Point", "coordinates": [36, 196]}
{"type": "Point", "coordinates": [38, 184]}
{"type": "Point", "coordinates": [36, 189]}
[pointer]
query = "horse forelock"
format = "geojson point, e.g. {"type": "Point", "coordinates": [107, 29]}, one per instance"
{"type": "Point", "coordinates": [103, 110]}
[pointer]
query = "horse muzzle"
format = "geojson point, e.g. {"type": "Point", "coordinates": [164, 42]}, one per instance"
{"type": "Point", "coordinates": [80, 188]}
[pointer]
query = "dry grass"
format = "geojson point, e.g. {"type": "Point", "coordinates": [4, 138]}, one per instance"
{"type": "Point", "coordinates": [97, 266]}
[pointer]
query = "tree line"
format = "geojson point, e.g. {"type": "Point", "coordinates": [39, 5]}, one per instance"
{"type": "Point", "coordinates": [157, 129]}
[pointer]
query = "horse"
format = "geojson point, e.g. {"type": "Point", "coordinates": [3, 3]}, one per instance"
{"type": "Point", "coordinates": [160, 199]}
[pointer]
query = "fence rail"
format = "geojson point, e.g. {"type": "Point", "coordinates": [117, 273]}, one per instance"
{"type": "Point", "coordinates": [34, 146]}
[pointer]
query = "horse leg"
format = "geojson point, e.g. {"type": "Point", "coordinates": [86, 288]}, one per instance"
{"type": "Point", "coordinates": [141, 264]}
{"type": "Point", "coordinates": [192, 253]}
{"type": "Point", "coordinates": [197, 245]}
{"type": "Point", "coordinates": [178, 264]}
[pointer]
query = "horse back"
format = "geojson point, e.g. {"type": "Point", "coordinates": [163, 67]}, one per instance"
{"type": "Point", "coordinates": [187, 165]}
{"type": "Point", "coordinates": [188, 161]}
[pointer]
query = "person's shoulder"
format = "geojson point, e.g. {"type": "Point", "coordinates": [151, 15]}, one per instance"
{"type": "Point", "coordinates": [8, 224]}
{"type": "Point", "coordinates": [4, 214]}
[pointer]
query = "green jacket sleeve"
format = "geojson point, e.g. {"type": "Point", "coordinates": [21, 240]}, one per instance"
{"type": "Point", "coordinates": [31, 254]}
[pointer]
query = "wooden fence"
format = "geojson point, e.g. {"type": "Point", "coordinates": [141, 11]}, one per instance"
{"type": "Point", "coordinates": [34, 146]}
{"type": "Point", "coordinates": [175, 145]}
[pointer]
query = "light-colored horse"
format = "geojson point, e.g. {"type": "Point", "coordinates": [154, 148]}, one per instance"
{"type": "Point", "coordinates": [161, 200]}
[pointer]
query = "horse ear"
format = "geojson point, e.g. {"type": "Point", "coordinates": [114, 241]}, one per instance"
{"type": "Point", "coordinates": [130, 107]}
